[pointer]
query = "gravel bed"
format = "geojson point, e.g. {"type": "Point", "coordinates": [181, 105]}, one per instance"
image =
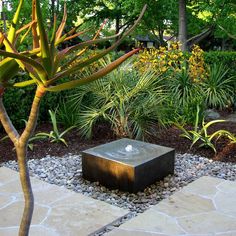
{"type": "Point", "coordinates": [67, 172]}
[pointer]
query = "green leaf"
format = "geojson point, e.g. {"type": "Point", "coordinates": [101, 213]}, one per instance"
{"type": "Point", "coordinates": [219, 133]}
{"type": "Point", "coordinates": [67, 130]}
{"type": "Point", "coordinates": [44, 45]}
{"type": "Point", "coordinates": [213, 122]}
{"type": "Point", "coordinates": [12, 30]}
{"type": "Point", "coordinates": [24, 83]}
{"type": "Point", "coordinates": [9, 68]}
{"type": "Point", "coordinates": [96, 75]}
{"type": "Point", "coordinates": [186, 134]}
{"type": "Point", "coordinates": [26, 61]}
{"type": "Point", "coordinates": [54, 122]}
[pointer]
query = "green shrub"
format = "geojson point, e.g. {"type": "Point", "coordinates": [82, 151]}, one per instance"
{"type": "Point", "coordinates": [68, 115]}
{"type": "Point", "coordinates": [127, 100]}
{"type": "Point", "coordinates": [181, 88]}
{"type": "Point", "coordinates": [218, 88]}
{"type": "Point", "coordinates": [226, 58]}
{"type": "Point", "coordinates": [184, 94]}
{"type": "Point", "coordinates": [18, 102]}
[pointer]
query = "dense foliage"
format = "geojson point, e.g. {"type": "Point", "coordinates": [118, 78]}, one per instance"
{"type": "Point", "coordinates": [227, 58]}
{"type": "Point", "coordinates": [217, 17]}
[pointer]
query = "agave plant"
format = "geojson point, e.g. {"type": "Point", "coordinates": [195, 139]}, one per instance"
{"type": "Point", "coordinates": [54, 135]}
{"type": "Point", "coordinates": [201, 133]}
{"type": "Point", "coordinates": [46, 66]}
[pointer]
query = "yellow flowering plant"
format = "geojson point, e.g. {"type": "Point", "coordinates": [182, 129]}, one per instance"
{"type": "Point", "coordinates": [196, 64]}
{"type": "Point", "coordinates": [160, 59]}
{"type": "Point", "coordinates": [164, 58]}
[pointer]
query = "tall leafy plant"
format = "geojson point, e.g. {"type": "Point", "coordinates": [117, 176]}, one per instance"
{"type": "Point", "coordinates": [128, 100]}
{"type": "Point", "coordinates": [218, 88]}
{"type": "Point", "coordinates": [181, 87]}
{"type": "Point", "coordinates": [184, 94]}
{"type": "Point", "coordinates": [46, 66]}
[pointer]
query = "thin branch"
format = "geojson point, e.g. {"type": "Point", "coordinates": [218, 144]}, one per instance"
{"type": "Point", "coordinates": [197, 38]}
{"type": "Point", "coordinates": [7, 124]}
{"type": "Point", "coordinates": [32, 121]}
{"type": "Point", "coordinates": [127, 23]}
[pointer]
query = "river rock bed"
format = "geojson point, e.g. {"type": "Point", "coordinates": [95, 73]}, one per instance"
{"type": "Point", "coordinates": [67, 172]}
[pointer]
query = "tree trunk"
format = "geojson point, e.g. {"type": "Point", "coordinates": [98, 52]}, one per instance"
{"type": "Point", "coordinates": [20, 143]}
{"type": "Point", "coordinates": [117, 24]}
{"type": "Point", "coordinates": [182, 25]}
{"type": "Point", "coordinates": [161, 36]}
{"type": "Point", "coordinates": [27, 190]}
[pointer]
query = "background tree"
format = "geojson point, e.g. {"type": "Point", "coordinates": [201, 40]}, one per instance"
{"type": "Point", "coordinates": [204, 19]}
{"type": "Point", "coordinates": [182, 37]}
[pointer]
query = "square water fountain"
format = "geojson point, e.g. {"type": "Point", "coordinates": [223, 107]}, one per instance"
{"type": "Point", "coordinates": [127, 164]}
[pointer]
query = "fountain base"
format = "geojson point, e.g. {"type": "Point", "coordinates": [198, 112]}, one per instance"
{"type": "Point", "coordinates": [127, 164]}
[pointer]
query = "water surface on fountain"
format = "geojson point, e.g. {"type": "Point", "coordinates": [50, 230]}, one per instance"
{"type": "Point", "coordinates": [128, 151]}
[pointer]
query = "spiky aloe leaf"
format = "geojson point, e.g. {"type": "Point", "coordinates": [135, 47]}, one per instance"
{"type": "Point", "coordinates": [208, 144]}
{"type": "Point", "coordinates": [47, 60]}
{"type": "Point", "coordinates": [85, 49]}
{"type": "Point", "coordinates": [29, 26]}
{"type": "Point", "coordinates": [92, 42]}
{"type": "Point", "coordinates": [61, 55]}
{"type": "Point", "coordinates": [54, 122]}
{"type": "Point", "coordinates": [31, 65]}
{"type": "Point", "coordinates": [9, 69]}
{"type": "Point", "coordinates": [219, 133]}
{"type": "Point", "coordinates": [96, 75]}
{"type": "Point", "coordinates": [12, 31]}
{"type": "Point", "coordinates": [67, 130]}
{"type": "Point", "coordinates": [24, 83]}
{"type": "Point", "coordinates": [1, 40]}
{"type": "Point", "coordinates": [62, 25]}
{"type": "Point", "coordinates": [80, 65]}
{"type": "Point", "coordinates": [69, 36]}
{"type": "Point", "coordinates": [186, 133]}
{"type": "Point", "coordinates": [52, 47]}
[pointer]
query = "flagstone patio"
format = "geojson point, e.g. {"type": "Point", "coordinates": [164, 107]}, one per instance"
{"type": "Point", "coordinates": [206, 207]}
{"type": "Point", "coordinates": [58, 211]}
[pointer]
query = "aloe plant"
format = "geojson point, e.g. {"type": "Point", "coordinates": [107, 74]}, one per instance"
{"type": "Point", "coordinates": [54, 135]}
{"type": "Point", "coordinates": [201, 133]}
{"type": "Point", "coordinates": [46, 66]}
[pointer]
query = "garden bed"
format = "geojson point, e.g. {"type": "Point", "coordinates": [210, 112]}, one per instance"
{"type": "Point", "coordinates": [167, 137]}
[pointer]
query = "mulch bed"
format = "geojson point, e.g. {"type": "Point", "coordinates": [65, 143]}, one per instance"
{"type": "Point", "coordinates": [167, 137]}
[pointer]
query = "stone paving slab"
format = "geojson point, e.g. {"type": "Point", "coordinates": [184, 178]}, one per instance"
{"type": "Point", "coordinates": [206, 207]}
{"type": "Point", "coordinates": [58, 211]}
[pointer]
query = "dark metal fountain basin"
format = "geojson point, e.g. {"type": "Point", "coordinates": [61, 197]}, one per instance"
{"type": "Point", "coordinates": [127, 164]}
